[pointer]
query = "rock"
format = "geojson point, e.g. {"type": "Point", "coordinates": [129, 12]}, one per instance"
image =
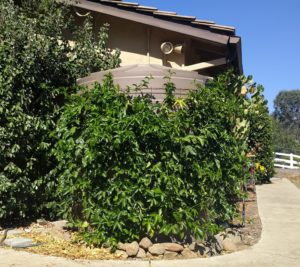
{"type": "Point", "coordinates": [157, 249]}
{"type": "Point", "coordinates": [231, 231]}
{"type": "Point", "coordinates": [212, 252]}
{"type": "Point", "coordinates": [235, 238]}
{"type": "Point", "coordinates": [19, 242]}
{"type": "Point", "coordinates": [201, 249]}
{"type": "Point", "coordinates": [170, 255]}
{"type": "Point", "coordinates": [121, 254]}
{"type": "Point", "coordinates": [248, 240]}
{"type": "Point", "coordinates": [13, 232]}
{"type": "Point", "coordinates": [188, 254]}
{"type": "Point", "coordinates": [149, 255]}
{"type": "Point", "coordinates": [172, 247]}
{"type": "Point", "coordinates": [159, 257]}
{"type": "Point", "coordinates": [61, 225]}
{"type": "Point", "coordinates": [41, 222]}
{"type": "Point", "coordinates": [218, 242]}
{"type": "Point", "coordinates": [122, 246]}
{"type": "Point", "coordinates": [192, 246]}
{"type": "Point", "coordinates": [132, 249]}
{"type": "Point", "coordinates": [28, 230]}
{"type": "Point", "coordinates": [141, 253]}
{"type": "Point", "coordinates": [229, 245]}
{"type": "Point", "coordinates": [145, 243]}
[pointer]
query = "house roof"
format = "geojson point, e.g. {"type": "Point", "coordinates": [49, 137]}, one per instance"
{"type": "Point", "coordinates": [169, 15]}
{"type": "Point", "coordinates": [187, 25]}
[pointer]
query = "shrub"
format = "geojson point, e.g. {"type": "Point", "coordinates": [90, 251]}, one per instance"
{"type": "Point", "coordinates": [37, 67]}
{"type": "Point", "coordinates": [128, 167]}
{"type": "Point", "coordinates": [261, 136]}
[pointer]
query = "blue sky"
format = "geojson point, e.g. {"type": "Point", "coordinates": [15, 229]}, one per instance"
{"type": "Point", "coordinates": [270, 32]}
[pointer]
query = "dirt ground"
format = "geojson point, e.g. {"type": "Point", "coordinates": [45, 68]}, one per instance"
{"type": "Point", "coordinates": [292, 175]}
{"type": "Point", "coordinates": [251, 232]}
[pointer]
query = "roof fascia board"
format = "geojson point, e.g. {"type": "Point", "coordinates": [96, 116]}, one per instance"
{"type": "Point", "coordinates": [235, 40]}
{"type": "Point", "coordinates": [152, 21]}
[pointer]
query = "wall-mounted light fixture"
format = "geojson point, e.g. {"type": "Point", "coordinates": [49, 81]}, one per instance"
{"type": "Point", "coordinates": [167, 48]}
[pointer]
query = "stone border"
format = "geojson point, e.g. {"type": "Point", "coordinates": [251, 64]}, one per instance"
{"type": "Point", "coordinates": [228, 241]}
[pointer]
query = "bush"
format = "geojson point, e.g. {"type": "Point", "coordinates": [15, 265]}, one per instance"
{"type": "Point", "coordinates": [128, 167]}
{"type": "Point", "coordinates": [261, 136]}
{"type": "Point", "coordinates": [37, 67]}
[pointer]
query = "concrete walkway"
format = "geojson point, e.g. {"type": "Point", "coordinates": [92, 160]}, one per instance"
{"type": "Point", "coordinates": [279, 208]}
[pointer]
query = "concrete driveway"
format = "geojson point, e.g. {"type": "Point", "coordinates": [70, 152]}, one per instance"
{"type": "Point", "coordinates": [279, 209]}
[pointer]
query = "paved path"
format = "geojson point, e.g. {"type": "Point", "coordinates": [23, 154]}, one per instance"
{"type": "Point", "coordinates": [279, 208]}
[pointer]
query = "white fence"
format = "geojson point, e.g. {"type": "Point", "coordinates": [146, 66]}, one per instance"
{"type": "Point", "coordinates": [287, 161]}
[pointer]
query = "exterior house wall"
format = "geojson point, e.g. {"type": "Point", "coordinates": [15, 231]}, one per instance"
{"type": "Point", "coordinates": [138, 31]}
{"type": "Point", "coordinates": [136, 40]}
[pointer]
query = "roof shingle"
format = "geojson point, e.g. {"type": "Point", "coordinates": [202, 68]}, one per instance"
{"type": "Point", "coordinates": [193, 21]}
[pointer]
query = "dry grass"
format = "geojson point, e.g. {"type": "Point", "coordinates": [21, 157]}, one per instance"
{"type": "Point", "coordinates": [54, 245]}
{"type": "Point", "coordinates": [292, 175]}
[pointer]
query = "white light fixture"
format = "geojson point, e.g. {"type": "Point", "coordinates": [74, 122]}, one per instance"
{"type": "Point", "coordinates": [167, 48]}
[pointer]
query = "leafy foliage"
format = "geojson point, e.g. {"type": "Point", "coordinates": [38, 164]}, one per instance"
{"type": "Point", "coordinates": [261, 135]}
{"type": "Point", "coordinates": [122, 167]}
{"type": "Point", "coordinates": [37, 67]}
{"type": "Point", "coordinates": [128, 167]}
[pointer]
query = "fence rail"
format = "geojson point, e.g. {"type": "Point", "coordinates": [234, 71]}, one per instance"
{"type": "Point", "coordinates": [287, 161]}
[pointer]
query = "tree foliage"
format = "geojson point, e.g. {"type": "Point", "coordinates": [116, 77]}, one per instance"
{"type": "Point", "coordinates": [287, 110]}
{"type": "Point", "coordinates": [286, 122]}
{"type": "Point", "coordinates": [37, 67]}
{"type": "Point", "coordinates": [285, 141]}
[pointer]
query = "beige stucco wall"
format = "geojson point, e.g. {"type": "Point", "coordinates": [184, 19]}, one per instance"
{"type": "Point", "coordinates": [140, 43]}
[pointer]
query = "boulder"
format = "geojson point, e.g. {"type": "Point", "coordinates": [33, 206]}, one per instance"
{"type": "Point", "coordinates": [132, 249]}
{"type": "Point", "coordinates": [141, 253]}
{"type": "Point", "coordinates": [61, 225]}
{"type": "Point", "coordinates": [192, 246]}
{"type": "Point", "coordinates": [235, 238]}
{"type": "Point", "coordinates": [19, 242]}
{"type": "Point", "coordinates": [229, 245]}
{"type": "Point", "coordinates": [149, 255]}
{"type": "Point", "coordinates": [157, 249]}
{"type": "Point", "coordinates": [121, 254]}
{"type": "Point", "coordinates": [172, 247]}
{"type": "Point", "coordinates": [188, 254]}
{"type": "Point", "coordinates": [202, 249]}
{"type": "Point", "coordinates": [145, 243]}
{"type": "Point", "coordinates": [218, 242]}
{"type": "Point", "coordinates": [170, 255]}
{"type": "Point", "coordinates": [122, 246]}
{"type": "Point", "coordinates": [41, 222]}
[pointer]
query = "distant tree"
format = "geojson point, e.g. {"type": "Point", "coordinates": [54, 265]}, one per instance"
{"type": "Point", "coordinates": [287, 110]}
{"type": "Point", "coordinates": [286, 122]}
{"type": "Point", "coordinates": [284, 139]}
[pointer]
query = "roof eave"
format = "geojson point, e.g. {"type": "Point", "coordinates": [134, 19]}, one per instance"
{"type": "Point", "coordinates": [153, 21]}
{"type": "Point", "coordinates": [237, 43]}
